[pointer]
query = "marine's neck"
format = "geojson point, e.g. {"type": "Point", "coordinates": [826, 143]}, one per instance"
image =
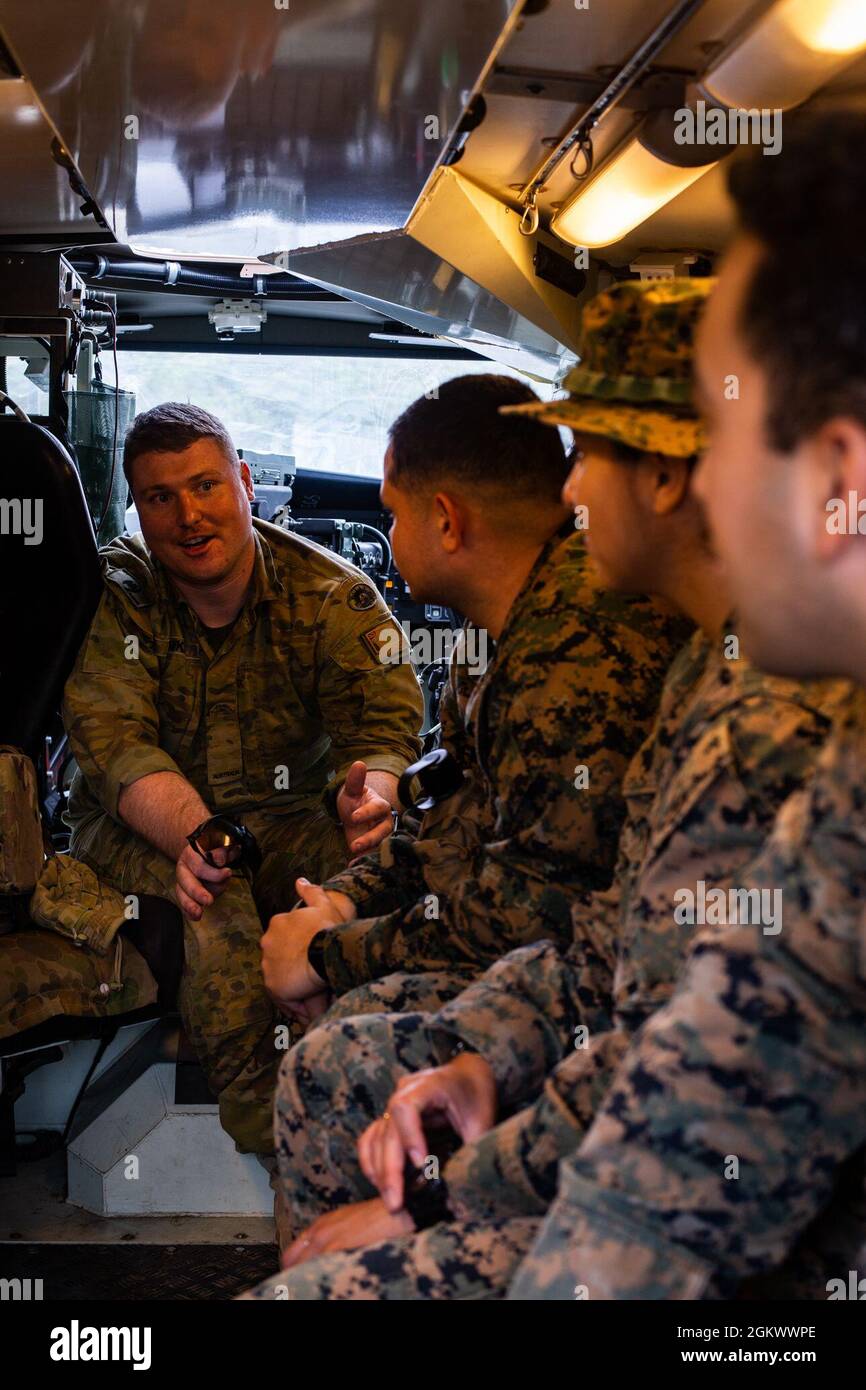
{"type": "Point", "coordinates": [490, 598]}
{"type": "Point", "coordinates": [700, 593]}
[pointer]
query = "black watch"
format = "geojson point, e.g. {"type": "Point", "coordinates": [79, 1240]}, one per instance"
{"type": "Point", "coordinates": [316, 954]}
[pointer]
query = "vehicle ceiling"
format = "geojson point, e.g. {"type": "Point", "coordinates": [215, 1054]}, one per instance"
{"type": "Point", "coordinates": [260, 130]}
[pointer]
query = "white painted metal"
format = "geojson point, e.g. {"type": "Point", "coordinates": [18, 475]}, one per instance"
{"type": "Point", "coordinates": [146, 1155]}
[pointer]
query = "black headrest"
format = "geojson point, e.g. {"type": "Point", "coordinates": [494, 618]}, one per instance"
{"type": "Point", "coordinates": [50, 580]}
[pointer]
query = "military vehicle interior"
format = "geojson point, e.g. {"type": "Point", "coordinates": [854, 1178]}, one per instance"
{"type": "Point", "coordinates": [300, 217]}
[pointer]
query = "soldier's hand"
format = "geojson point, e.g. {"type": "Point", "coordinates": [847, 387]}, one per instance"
{"type": "Point", "coordinates": [196, 883]}
{"type": "Point", "coordinates": [333, 907]}
{"type": "Point", "coordinates": [348, 1228]}
{"type": "Point", "coordinates": [365, 815]}
{"type": "Point", "coordinates": [289, 977]}
{"type": "Point", "coordinates": [462, 1093]}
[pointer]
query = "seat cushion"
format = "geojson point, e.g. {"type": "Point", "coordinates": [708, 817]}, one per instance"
{"type": "Point", "coordinates": [43, 975]}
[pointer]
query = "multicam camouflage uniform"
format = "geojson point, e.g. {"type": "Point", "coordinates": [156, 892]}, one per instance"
{"type": "Point", "coordinates": [574, 684]}
{"type": "Point", "coordinates": [730, 745]}
{"type": "Point", "coordinates": [743, 1103]}
{"type": "Point", "coordinates": [265, 723]}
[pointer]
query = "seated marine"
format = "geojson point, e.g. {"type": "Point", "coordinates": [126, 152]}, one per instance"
{"type": "Point", "coordinates": [535, 1042]}
{"type": "Point", "coordinates": [541, 736]}
{"type": "Point", "coordinates": [729, 1155]}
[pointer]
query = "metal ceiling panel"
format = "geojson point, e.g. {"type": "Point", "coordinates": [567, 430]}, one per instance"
{"type": "Point", "coordinates": [237, 128]}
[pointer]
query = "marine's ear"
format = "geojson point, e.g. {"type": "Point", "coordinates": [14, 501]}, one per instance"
{"type": "Point", "coordinates": [663, 482]}
{"type": "Point", "coordinates": [831, 467]}
{"type": "Point", "coordinates": [449, 518]}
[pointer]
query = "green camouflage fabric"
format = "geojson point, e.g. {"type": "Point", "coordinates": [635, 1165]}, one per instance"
{"type": "Point", "coordinates": [731, 1142]}
{"type": "Point", "coordinates": [289, 700]}
{"type": "Point", "coordinates": [21, 851]}
{"type": "Point", "coordinates": [44, 975]}
{"type": "Point", "coordinates": [70, 899]}
{"type": "Point", "coordinates": [469, 1261]}
{"type": "Point", "coordinates": [238, 1034]}
{"type": "Point", "coordinates": [574, 683]}
{"type": "Point", "coordinates": [729, 746]}
{"type": "Point", "coordinates": [633, 383]}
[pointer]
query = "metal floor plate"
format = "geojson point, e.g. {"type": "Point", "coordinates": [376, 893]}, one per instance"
{"type": "Point", "coordinates": [140, 1273]}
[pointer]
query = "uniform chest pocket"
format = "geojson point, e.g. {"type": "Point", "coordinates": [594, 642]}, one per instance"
{"type": "Point", "coordinates": [695, 773]}
{"type": "Point", "coordinates": [180, 703]}
{"type": "Point", "coordinates": [277, 728]}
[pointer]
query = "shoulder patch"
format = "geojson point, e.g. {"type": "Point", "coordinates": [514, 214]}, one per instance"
{"type": "Point", "coordinates": [361, 596]}
{"type": "Point", "coordinates": [386, 643]}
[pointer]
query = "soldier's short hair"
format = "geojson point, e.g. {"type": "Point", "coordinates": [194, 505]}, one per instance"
{"type": "Point", "coordinates": [804, 314]}
{"type": "Point", "coordinates": [169, 429]}
{"type": "Point", "coordinates": [457, 433]}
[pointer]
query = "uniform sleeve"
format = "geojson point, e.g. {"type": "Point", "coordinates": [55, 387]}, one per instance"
{"type": "Point", "coordinates": [109, 707]}
{"type": "Point", "coordinates": [558, 764]}
{"type": "Point", "coordinates": [710, 821]}
{"type": "Point", "coordinates": [729, 1119]}
{"type": "Point", "coordinates": [369, 698]}
{"type": "Point", "coordinates": [378, 882]}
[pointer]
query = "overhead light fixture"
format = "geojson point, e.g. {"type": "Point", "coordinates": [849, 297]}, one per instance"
{"type": "Point", "coordinates": [630, 188]}
{"type": "Point", "coordinates": [790, 52]}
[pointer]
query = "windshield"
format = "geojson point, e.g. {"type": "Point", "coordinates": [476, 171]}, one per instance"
{"type": "Point", "coordinates": [330, 413]}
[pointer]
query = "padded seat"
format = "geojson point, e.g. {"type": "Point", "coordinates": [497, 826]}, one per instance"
{"type": "Point", "coordinates": [44, 976]}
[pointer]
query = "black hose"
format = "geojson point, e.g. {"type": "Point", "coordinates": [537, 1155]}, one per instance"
{"type": "Point", "coordinates": [383, 541]}
{"type": "Point", "coordinates": [93, 266]}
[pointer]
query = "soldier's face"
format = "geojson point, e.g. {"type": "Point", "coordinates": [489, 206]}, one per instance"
{"type": "Point", "coordinates": [600, 489]}
{"type": "Point", "coordinates": [766, 510]}
{"type": "Point", "coordinates": [194, 509]}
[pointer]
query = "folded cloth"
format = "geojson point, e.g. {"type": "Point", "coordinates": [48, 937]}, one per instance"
{"type": "Point", "coordinates": [70, 899]}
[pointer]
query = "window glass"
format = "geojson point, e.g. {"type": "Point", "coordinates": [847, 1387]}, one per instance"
{"type": "Point", "coordinates": [330, 413]}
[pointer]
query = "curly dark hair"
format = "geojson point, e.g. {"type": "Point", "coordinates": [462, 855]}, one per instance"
{"type": "Point", "coordinates": [804, 314]}
{"type": "Point", "coordinates": [458, 434]}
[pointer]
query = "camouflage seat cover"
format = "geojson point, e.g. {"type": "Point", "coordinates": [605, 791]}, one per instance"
{"type": "Point", "coordinates": [44, 975]}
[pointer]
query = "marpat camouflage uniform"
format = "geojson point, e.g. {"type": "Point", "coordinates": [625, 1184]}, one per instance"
{"type": "Point", "coordinates": [743, 1102]}
{"type": "Point", "coordinates": [261, 725]}
{"type": "Point", "coordinates": [574, 683]}
{"type": "Point", "coordinates": [730, 745]}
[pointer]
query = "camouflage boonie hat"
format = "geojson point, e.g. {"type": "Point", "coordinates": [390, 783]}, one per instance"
{"type": "Point", "coordinates": [633, 383]}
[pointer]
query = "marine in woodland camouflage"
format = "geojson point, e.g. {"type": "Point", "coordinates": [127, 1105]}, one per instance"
{"type": "Point", "coordinates": [732, 1138]}
{"type": "Point", "coordinates": [731, 744]}
{"type": "Point", "coordinates": [544, 736]}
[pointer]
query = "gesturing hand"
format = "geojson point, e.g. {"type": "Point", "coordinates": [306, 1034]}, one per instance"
{"type": "Point", "coordinates": [365, 815]}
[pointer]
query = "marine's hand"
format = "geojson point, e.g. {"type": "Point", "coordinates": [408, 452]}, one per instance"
{"type": "Point", "coordinates": [196, 883]}
{"type": "Point", "coordinates": [348, 1228]}
{"type": "Point", "coordinates": [288, 975]}
{"type": "Point", "coordinates": [463, 1093]}
{"type": "Point", "coordinates": [364, 813]}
